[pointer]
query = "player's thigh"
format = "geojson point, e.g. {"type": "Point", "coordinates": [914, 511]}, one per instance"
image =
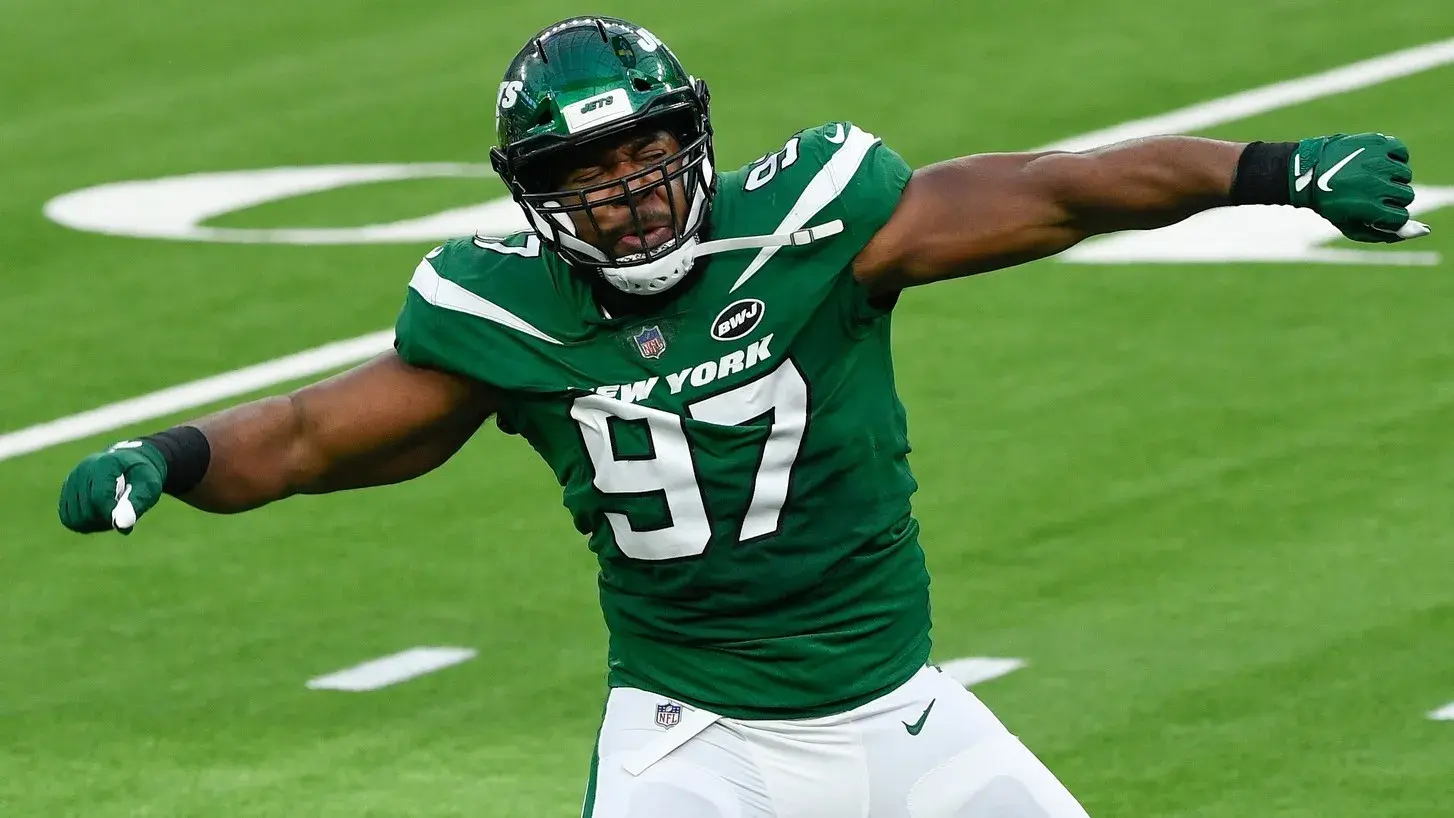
{"type": "Point", "coordinates": [710, 774]}
{"type": "Point", "coordinates": [960, 763]}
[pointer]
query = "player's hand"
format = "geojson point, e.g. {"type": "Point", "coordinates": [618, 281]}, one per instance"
{"type": "Point", "coordinates": [111, 489]}
{"type": "Point", "coordinates": [1360, 183]}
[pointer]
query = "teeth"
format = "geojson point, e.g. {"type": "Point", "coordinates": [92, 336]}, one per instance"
{"type": "Point", "coordinates": [642, 256]}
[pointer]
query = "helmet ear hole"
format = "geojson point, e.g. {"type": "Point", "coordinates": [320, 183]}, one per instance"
{"type": "Point", "coordinates": [641, 84]}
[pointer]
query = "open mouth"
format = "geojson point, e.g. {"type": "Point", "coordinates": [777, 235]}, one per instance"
{"type": "Point", "coordinates": [633, 245]}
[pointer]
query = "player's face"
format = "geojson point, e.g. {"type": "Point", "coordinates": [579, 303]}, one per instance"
{"type": "Point", "coordinates": [609, 223]}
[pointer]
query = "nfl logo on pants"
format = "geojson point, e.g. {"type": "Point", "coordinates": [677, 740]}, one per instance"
{"type": "Point", "coordinates": [668, 715]}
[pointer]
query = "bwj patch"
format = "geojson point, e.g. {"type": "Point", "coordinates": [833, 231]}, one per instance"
{"type": "Point", "coordinates": [668, 715]}
{"type": "Point", "coordinates": [651, 343]}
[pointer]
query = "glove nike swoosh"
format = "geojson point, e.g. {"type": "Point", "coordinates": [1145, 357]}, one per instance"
{"type": "Point", "coordinates": [1328, 177]}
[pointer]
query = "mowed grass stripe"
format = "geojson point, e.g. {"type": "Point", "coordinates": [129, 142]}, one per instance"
{"type": "Point", "coordinates": [343, 353]}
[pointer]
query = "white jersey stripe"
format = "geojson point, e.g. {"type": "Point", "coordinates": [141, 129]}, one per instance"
{"type": "Point", "coordinates": [446, 294]}
{"type": "Point", "coordinates": [825, 186]}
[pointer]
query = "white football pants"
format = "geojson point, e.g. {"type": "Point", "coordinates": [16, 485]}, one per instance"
{"type": "Point", "coordinates": [929, 749]}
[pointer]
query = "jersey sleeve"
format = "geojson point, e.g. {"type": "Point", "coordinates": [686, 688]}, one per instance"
{"type": "Point", "coordinates": [868, 177]}
{"type": "Point", "coordinates": [420, 337]}
{"type": "Point", "coordinates": [468, 310]}
{"type": "Point", "coordinates": [867, 180]}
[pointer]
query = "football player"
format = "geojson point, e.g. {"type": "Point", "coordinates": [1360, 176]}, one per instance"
{"type": "Point", "coordinates": [702, 358]}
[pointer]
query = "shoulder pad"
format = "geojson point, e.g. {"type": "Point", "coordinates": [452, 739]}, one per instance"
{"type": "Point", "coordinates": [835, 170]}
{"type": "Point", "coordinates": [471, 300]}
{"type": "Point", "coordinates": [833, 156]}
{"type": "Point", "coordinates": [473, 260]}
{"type": "Point", "coordinates": [809, 148]}
{"type": "Point", "coordinates": [496, 280]}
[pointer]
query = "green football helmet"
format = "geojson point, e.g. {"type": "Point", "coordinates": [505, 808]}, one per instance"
{"type": "Point", "coordinates": [592, 78]}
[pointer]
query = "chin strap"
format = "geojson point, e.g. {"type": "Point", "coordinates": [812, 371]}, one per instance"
{"type": "Point", "coordinates": [797, 238]}
{"type": "Point", "coordinates": [666, 271]}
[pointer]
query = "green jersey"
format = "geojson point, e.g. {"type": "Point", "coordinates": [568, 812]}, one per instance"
{"type": "Point", "coordinates": [737, 458]}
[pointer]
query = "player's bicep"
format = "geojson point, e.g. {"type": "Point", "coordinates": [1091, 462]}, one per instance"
{"type": "Point", "coordinates": [966, 216]}
{"type": "Point", "coordinates": [378, 422]}
{"type": "Point", "coordinates": [385, 421]}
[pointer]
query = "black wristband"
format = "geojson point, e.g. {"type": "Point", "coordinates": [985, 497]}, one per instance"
{"type": "Point", "coordinates": [187, 454]}
{"type": "Point", "coordinates": [1262, 174]}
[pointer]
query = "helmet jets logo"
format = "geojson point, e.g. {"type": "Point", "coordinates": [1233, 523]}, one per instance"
{"type": "Point", "coordinates": [596, 110]}
{"type": "Point", "coordinates": [510, 94]}
{"type": "Point", "coordinates": [739, 319]}
{"type": "Point", "coordinates": [600, 103]}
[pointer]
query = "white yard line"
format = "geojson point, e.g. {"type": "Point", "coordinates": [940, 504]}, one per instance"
{"type": "Point", "coordinates": [391, 670]}
{"type": "Point", "coordinates": [1268, 98]}
{"type": "Point", "coordinates": [197, 393]}
{"type": "Point", "coordinates": [343, 353]}
{"type": "Point", "coordinates": [1445, 713]}
{"type": "Point", "coordinates": [976, 669]}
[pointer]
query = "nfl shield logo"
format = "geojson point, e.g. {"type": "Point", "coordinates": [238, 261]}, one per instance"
{"type": "Point", "coordinates": [651, 343]}
{"type": "Point", "coordinates": [668, 715]}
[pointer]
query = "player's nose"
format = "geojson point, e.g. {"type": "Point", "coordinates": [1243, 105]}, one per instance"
{"type": "Point", "coordinates": [644, 185]}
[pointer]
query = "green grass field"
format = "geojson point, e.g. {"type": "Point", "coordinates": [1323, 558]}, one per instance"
{"type": "Point", "coordinates": [1210, 504]}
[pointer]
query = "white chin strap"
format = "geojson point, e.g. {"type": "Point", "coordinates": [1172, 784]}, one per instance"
{"type": "Point", "coordinates": [661, 274]}
{"type": "Point", "coordinates": [654, 276]}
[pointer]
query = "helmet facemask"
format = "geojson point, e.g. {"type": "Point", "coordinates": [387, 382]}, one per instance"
{"type": "Point", "coordinates": [685, 179]}
{"type": "Point", "coordinates": [589, 83]}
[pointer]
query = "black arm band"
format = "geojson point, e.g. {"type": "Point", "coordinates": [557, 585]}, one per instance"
{"type": "Point", "coordinates": [1262, 174]}
{"type": "Point", "coordinates": [187, 454]}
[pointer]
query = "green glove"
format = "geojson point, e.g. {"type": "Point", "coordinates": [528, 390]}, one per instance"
{"type": "Point", "coordinates": [111, 489]}
{"type": "Point", "coordinates": [1360, 183]}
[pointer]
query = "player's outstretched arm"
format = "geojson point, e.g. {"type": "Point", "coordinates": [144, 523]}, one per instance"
{"type": "Point", "coordinates": [985, 212]}
{"type": "Point", "coordinates": [381, 422]}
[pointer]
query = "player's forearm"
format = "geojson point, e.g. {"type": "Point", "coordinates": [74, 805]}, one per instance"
{"type": "Point", "coordinates": [1140, 184]}
{"type": "Point", "coordinates": [382, 422]}
{"type": "Point", "coordinates": [274, 448]}
{"type": "Point", "coordinates": [260, 453]}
